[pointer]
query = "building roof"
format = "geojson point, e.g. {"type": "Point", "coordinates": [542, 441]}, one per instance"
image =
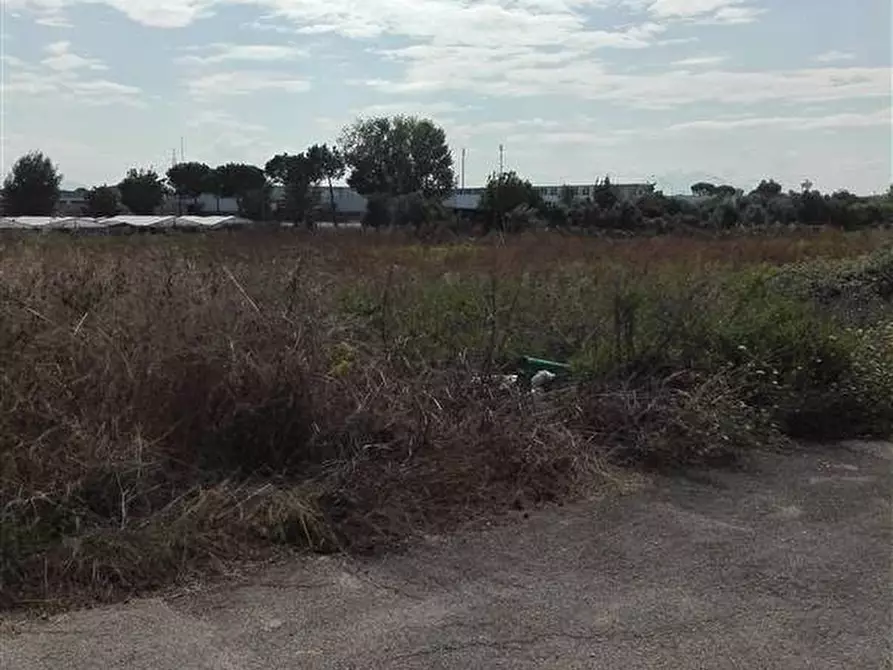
{"type": "Point", "coordinates": [140, 221]}
{"type": "Point", "coordinates": [198, 221]}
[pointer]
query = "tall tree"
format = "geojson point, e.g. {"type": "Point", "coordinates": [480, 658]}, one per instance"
{"type": "Point", "coordinates": [725, 191]}
{"type": "Point", "coordinates": [295, 174]}
{"type": "Point", "coordinates": [330, 166]}
{"type": "Point", "coordinates": [248, 185]}
{"type": "Point", "coordinates": [604, 194]}
{"type": "Point", "coordinates": [506, 192]}
{"type": "Point", "coordinates": [767, 189]}
{"type": "Point", "coordinates": [142, 191]}
{"type": "Point", "coordinates": [703, 189]}
{"type": "Point", "coordinates": [32, 187]}
{"type": "Point", "coordinates": [102, 201]}
{"type": "Point", "coordinates": [398, 156]}
{"type": "Point", "coordinates": [189, 180]}
{"type": "Point", "coordinates": [214, 185]}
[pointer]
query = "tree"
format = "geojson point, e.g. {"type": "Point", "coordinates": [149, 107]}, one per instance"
{"type": "Point", "coordinates": [506, 192]}
{"type": "Point", "coordinates": [703, 189]}
{"type": "Point", "coordinates": [655, 205]}
{"type": "Point", "coordinates": [725, 215]}
{"type": "Point", "coordinates": [398, 156]}
{"type": "Point", "coordinates": [189, 180]}
{"type": "Point", "coordinates": [726, 191]}
{"type": "Point", "coordinates": [102, 201]}
{"type": "Point", "coordinates": [296, 174]}
{"type": "Point", "coordinates": [566, 196]}
{"type": "Point", "coordinates": [767, 189]}
{"type": "Point", "coordinates": [812, 208]}
{"type": "Point", "coordinates": [214, 185]}
{"type": "Point", "coordinates": [247, 184]}
{"type": "Point", "coordinates": [142, 191]}
{"type": "Point", "coordinates": [604, 194]}
{"type": "Point", "coordinates": [330, 166]}
{"type": "Point", "coordinates": [805, 186]}
{"type": "Point", "coordinates": [32, 187]}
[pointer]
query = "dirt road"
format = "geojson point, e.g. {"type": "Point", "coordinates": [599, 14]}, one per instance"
{"type": "Point", "coordinates": [786, 565]}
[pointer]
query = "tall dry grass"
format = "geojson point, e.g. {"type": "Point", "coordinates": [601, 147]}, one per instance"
{"type": "Point", "coordinates": [171, 404]}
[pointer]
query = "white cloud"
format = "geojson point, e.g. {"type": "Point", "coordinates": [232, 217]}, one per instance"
{"type": "Point", "coordinates": [410, 108]}
{"type": "Point", "coordinates": [524, 72]}
{"type": "Point", "coordinates": [733, 15]}
{"type": "Point", "coordinates": [64, 86]}
{"type": "Point", "coordinates": [222, 53]}
{"type": "Point", "coordinates": [243, 82]}
{"type": "Point", "coordinates": [880, 117]}
{"type": "Point", "coordinates": [699, 60]}
{"type": "Point", "coordinates": [53, 19]}
{"type": "Point", "coordinates": [705, 12]}
{"type": "Point", "coordinates": [62, 59]}
{"type": "Point", "coordinates": [834, 56]}
{"type": "Point", "coordinates": [63, 75]}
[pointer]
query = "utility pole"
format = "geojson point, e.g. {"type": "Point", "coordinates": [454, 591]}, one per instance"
{"type": "Point", "coordinates": [173, 157]}
{"type": "Point", "coordinates": [501, 159]}
{"type": "Point", "coordinates": [182, 149]}
{"type": "Point", "coordinates": [462, 171]}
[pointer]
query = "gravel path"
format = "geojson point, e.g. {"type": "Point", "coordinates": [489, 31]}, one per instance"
{"type": "Point", "coordinates": [785, 565]}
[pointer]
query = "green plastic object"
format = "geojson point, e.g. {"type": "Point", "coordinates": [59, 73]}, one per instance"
{"type": "Point", "coordinates": [531, 366]}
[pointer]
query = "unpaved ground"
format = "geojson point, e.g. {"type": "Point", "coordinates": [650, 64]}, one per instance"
{"type": "Point", "coordinates": [787, 565]}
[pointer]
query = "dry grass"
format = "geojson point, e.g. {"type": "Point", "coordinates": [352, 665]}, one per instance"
{"type": "Point", "coordinates": [171, 404]}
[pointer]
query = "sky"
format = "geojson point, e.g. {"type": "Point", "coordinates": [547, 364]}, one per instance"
{"type": "Point", "coordinates": [672, 91]}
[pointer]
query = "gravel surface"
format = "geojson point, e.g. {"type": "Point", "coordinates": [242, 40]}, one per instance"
{"type": "Point", "coordinates": [786, 564]}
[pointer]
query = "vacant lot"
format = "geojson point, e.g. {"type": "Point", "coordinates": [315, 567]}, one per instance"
{"type": "Point", "coordinates": [170, 404]}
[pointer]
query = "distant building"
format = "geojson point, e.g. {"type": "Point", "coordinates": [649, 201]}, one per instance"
{"type": "Point", "coordinates": [469, 198]}
{"type": "Point", "coordinates": [348, 203]}
{"type": "Point", "coordinates": [72, 203]}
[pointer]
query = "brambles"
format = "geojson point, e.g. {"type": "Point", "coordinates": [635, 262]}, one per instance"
{"type": "Point", "coordinates": [168, 405]}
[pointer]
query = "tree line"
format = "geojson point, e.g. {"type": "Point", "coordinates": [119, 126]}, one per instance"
{"type": "Point", "coordinates": [402, 165]}
{"type": "Point", "coordinates": [384, 158]}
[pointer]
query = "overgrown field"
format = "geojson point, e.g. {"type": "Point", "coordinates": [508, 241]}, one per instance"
{"type": "Point", "coordinates": [171, 404]}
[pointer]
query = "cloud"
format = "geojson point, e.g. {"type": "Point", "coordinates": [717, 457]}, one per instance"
{"type": "Point", "coordinates": [515, 72]}
{"type": "Point", "coordinates": [834, 56]}
{"type": "Point", "coordinates": [63, 86]}
{"type": "Point", "coordinates": [63, 75]}
{"type": "Point", "coordinates": [410, 108]}
{"type": "Point", "coordinates": [700, 60]}
{"type": "Point", "coordinates": [61, 59]}
{"type": "Point", "coordinates": [701, 12]}
{"type": "Point", "coordinates": [538, 21]}
{"type": "Point", "coordinates": [217, 136]}
{"type": "Point", "coordinates": [733, 15]}
{"type": "Point", "coordinates": [880, 117]}
{"type": "Point", "coordinates": [223, 53]}
{"type": "Point", "coordinates": [578, 131]}
{"type": "Point", "coordinates": [54, 19]}
{"type": "Point", "coordinates": [243, 82]}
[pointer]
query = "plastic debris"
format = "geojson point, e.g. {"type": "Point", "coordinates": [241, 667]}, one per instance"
{"type": "Point", "coordinates": [541, 380]}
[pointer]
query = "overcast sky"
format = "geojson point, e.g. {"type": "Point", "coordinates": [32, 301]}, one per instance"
{"type": "Point", "coordinates": [672, 90]}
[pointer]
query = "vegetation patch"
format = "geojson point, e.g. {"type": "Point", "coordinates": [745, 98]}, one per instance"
{"type": "Point", "coordinates": [171, 404]}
